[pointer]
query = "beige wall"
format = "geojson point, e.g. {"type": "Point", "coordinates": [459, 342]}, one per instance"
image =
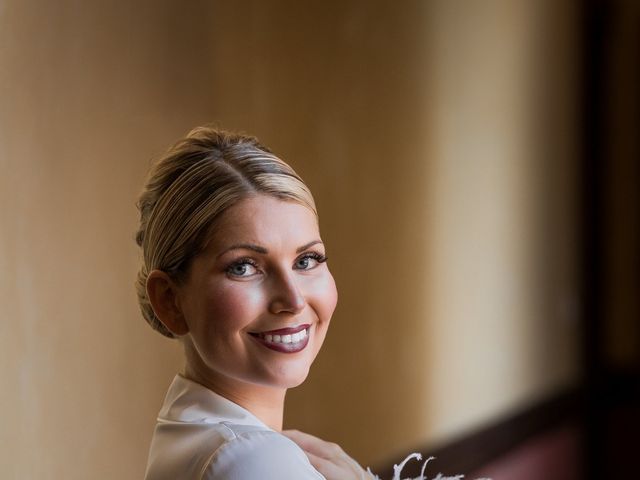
{"type": "Point", "coordinates": [89, 91]}
{"type": "Point", "coordinates": [502, 212]}
{"type": "Point", "coordinates": [437, 137]}
{"type": "Point", "coordinates": [339, 92]}
{"type": "Point", "coordinates": [440, 140]}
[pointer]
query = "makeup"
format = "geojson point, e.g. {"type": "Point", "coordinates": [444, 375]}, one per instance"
{"type": "Point", "coordinates": [284, 340]}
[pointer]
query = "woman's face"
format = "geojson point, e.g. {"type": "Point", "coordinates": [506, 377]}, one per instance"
{"type": "Point", "coordinates": [259, 299]}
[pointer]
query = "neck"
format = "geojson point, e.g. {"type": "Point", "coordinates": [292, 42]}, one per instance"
{"type": "Point", "coordinates": [266, 403]}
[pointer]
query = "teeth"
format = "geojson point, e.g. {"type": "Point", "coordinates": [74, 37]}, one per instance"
{"type": "Point", "coordinates": [294, 338]}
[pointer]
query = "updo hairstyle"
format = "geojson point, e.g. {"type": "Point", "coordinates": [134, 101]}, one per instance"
{"type": "Point", "coordinates": [189, 187]}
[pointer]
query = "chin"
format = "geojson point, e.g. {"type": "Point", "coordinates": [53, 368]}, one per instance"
{"type": "Point", "coordinates": [297, 383]}
{"type": "Point", "coordinates": [289, 372]}
{"type": "Point", "coordinates": [293, 379]}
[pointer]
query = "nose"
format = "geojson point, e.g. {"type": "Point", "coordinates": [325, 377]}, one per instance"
{"type": "Point", "coordinates": [286, 295]}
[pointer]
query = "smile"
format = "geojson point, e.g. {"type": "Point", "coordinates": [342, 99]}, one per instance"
{"type": "Point", "coordinates": [284, 340]}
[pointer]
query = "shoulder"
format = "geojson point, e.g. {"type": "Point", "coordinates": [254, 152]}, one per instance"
{"type": "Point", "coordinates": [182, 450]}
{"type": "Point", "coordinates": [264, 454]}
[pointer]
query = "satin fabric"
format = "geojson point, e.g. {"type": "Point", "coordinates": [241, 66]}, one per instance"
{"type": "Point", "coordinates": [201, 435]}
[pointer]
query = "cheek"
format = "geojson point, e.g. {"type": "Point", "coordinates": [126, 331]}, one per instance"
{"type": "Point", "coordinates": [232, 307]}
{"type": "Point", "coordinates": [325, 297]}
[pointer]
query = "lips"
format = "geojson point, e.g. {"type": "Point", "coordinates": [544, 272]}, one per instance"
{"type": "Point", "coordinates": [284, 340]}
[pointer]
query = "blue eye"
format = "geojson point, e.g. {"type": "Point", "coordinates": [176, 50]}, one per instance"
{"type": "Point", "coordinates": [242, 268]}
{"type": "Point", "coordinates": [309, 261]}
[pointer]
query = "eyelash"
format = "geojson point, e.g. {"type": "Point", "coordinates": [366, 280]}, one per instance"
{"type": "Point", "coordinates": [242, 261]}
{"type": "Point", "coordinates": [318, 257]}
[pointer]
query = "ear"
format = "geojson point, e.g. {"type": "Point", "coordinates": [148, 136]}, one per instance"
{"type": "Point", "coordinates": [163, 295]}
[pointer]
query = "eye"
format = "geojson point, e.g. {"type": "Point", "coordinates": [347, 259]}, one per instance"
{"type": "Point", "coordinates": [242, 268]}
{"type": "Point", "coordinates": [309, 261]}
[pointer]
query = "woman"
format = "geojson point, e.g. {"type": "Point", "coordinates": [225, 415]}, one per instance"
{"type": "Point", "coordinates": [234, 268]}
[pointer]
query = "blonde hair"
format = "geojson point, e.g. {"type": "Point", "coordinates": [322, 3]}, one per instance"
{"type": "Point", "coordinates": [189, 187]}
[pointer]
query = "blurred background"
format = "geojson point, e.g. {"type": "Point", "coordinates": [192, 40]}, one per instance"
{"type": "Point", "coordinates": [475, 164]}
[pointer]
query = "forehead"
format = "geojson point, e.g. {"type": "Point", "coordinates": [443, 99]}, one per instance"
{"type": "Point", "coordinates": [266, 221]}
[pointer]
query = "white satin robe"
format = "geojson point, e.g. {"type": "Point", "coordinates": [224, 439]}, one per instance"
{"type": "Point", "coordinates": [201, 435]}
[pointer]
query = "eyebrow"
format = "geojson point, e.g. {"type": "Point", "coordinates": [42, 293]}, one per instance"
{"type": "Point", "coordinates": [262, 250]}
{"type": "Point", "coordinates": [307, 245]}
